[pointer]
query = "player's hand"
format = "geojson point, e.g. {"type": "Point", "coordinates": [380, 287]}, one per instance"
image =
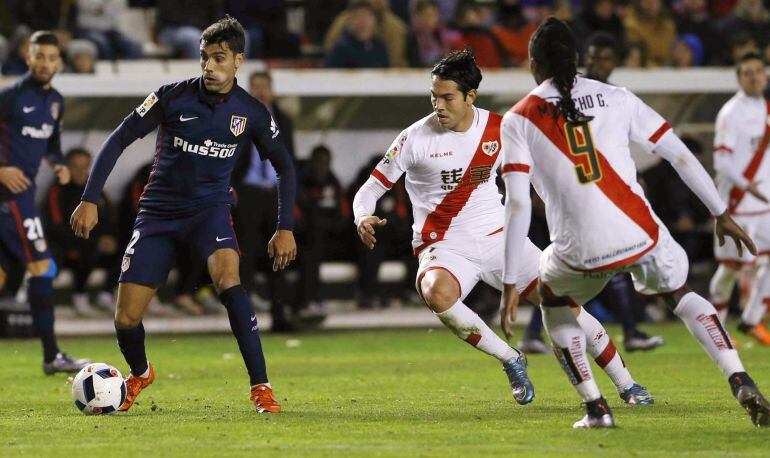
{"type": "Point", "coordinates": [62, 172]}
{"type": "Point", "coordinates": [366, 228]}
{"type": "Point", "coordinates": [84, 218]}
{"type": "Point", "coordinates": [14, 179]}
{"type": "Point", "coordinates": [282, 249]}
{"type": "Point", "coordinates": [753, 189]}
{"type": "Point", "coordinates": [509, 307]}
{"type": "Point", "coordinates": [725, 225]}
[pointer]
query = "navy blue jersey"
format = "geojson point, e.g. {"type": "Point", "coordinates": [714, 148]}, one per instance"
{"type": "Point", "coordinates": [199, 138]}
{"type": "Point", "coordinates": [30, 128]}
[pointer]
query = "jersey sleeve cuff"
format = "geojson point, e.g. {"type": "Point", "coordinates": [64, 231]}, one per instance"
{"type": "Point", "coordinates": [508, 168]}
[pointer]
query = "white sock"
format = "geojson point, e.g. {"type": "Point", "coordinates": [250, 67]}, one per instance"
{"type": "Point", "coordinates": [146, 373]}
{"type": "Point", "coordinates": [721, 288]}
{"type": "Point", "coordinates": [756, 307]}
{"type": "Point", "coordinates": [701, 320]}
{"type": "Point", "coordinates": [569, 345]}
{"type": "Point", "coordinates": [260, 384]}
{"type": "Point", "coordinates": [602, 350]}
{"type": "Point", "coordinates": [468, 326]}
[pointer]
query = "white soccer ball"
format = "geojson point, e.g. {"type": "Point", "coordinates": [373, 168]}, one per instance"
{"type": "Point", "coordinates": [98, 389]}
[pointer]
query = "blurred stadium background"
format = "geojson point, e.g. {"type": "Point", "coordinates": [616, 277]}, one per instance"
{"type": "Point", "coordinates": [675, 55]}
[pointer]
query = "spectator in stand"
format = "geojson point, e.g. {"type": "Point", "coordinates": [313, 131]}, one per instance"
{"type": "Point", "coordinates": [488, 50]}
{"type": "Point", "coordinates": [256, 211]}
{"type": "Point", "coordinates": [395, 243]}
{"type": "Point", "coordinates": [81, 57]}
{"type": "Point", "coordinates": [359, 45]}
{"type": "Point", "coordinates": [319, 16]}
{"type": "Point", "coordinates": [390, 30]}
{"type": "Point", "coordinates": [741, 43]}
{"type": "Point", "coordinates": [600, 16]}
{"type": "Point", "coordinates": [40, 14]}
{"type": "Point", "coordinates": [687, 52]}
{"type": "Point", "coordinates": [79, 255]}
{"type": "Point", "coordinates": [692, 17]}
{"type": "Point", "coordinates": [323, 230]}
{"type": "Point", "coordinates": [97, 22]}
{"type": "Point", "coordinates": [514, 32]}
{"type": "Point", "coordinates": [429, 40]}
{"type": "Point", "coordinates": [16, 62]}
{"type": "Point", "coordinates": [752, 18]}
{"type": "Point", "coordinates": [267, 35]}
{"type": "Point", "coordinates": [649, 24]}
{"type": "Point", "coordinates": [719, 9]}
{"type": "Point", "coordinates": [180, 22]}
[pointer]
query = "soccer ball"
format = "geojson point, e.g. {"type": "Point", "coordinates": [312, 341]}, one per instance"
{"type": "Point", "coordinates": [98, 389]}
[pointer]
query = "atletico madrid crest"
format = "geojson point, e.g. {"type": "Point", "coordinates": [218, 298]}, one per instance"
{"type": "Point", "coordinates": [237, 125]}
{"type": "Point", "coordinates": [126, 264]}
{"type": "Point", "coordinates": [490, 148]}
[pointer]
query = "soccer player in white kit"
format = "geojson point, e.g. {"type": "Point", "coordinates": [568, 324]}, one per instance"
{"type": "Point", "coordinates": [743, 180]}
{"type": "Point", "coordinates": [450, 159]}
{"type": "Point", "coordinates": [570, 137]}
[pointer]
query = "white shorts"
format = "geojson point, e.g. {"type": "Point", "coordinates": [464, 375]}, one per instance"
{"type": "Point", "coordinates": [758, 228]}
{"type": "Point", "coordinates": [471, 261]}
{"type": "Point", "coordinates": [663, 269]}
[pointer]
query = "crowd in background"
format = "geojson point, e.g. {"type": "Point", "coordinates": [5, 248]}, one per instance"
{"type": "Point", "coordinates": [358, 33]}
{"type": "Point", "coordinates": [388, 33]}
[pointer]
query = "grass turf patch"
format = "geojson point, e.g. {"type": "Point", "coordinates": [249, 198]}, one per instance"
{"type": "Point", "coordinates": [374, 393]}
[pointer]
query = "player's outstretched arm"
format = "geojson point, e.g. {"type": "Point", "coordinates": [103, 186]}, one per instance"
{"type": "Point", "coordinates": [690, 170]}
{"type": "Point", "coordinates": [518, 213]}
{"type": "Point", "coordinates": [364, 204]}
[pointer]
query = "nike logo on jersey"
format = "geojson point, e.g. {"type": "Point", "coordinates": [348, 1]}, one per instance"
{"type": "Point", "coordinates": [183, 119]}
{"type": "Point", "coordinates": [222, 240]}
{"type": "Point", "coordinates": [27, 109]}
{"type": "Point", "coordinates": [253, 317]}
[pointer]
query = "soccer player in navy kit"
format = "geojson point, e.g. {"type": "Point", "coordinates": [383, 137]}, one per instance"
{"type": "Point", "coordinates": [204, 124]}
{"type": "Point", "coordinates": [30, 128]}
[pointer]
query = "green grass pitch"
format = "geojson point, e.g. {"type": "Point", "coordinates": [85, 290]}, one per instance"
{"type": "Point", "coordinates": [383, 393]}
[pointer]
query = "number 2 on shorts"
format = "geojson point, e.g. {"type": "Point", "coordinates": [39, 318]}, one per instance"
{"type": "Point", "coordinates": [134, 239]}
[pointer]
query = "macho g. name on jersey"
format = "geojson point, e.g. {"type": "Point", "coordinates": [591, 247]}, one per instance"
{"type": "Point", "coordinates": [208, 148]}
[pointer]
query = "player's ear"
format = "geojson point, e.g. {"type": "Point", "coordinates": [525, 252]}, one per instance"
{"type": "Point", "coordinates": [470, 97]}
{"type": "Point", "coordinates": [238, 60]}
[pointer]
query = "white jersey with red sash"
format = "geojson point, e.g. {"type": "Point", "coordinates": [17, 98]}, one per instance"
{"type": "Point", "coordinates": [597, 213]}
{"type": "Point", "coordinates": [742, 137]}
{"type": "Point", "coordinates": [450, 178]}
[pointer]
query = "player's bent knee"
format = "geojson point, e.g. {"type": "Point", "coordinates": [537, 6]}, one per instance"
{"type": "Point", "coordinates": [439, 293]}
{"type": "Point", "coordinates": [126, 318]}
{"type": "Point", "coordinates": [40, 268]}
{"type": "Point", "coordinates": [226, 280]}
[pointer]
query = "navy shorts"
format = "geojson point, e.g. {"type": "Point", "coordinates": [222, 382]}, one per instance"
{"type": "Point", "coordinates": [151, 252]}
{"type": "Point", "coordinates": [21, 231]}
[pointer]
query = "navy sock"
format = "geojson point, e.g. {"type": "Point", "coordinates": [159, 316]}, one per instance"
{"type": "Point", "coordinates": [39, 293]}
{"type": "Point", "coordinates": [131, 343]}
{"type": "Point", "coordinates": [535, 327]}
{"type": "Point", "coordinates": [243, 322]}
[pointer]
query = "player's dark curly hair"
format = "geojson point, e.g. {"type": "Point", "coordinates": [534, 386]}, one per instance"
{"type": "Point", "coordinates": [460, 67]}
{"type": "Point", "coordinates": [227, 30]}
{"type": "Point", "coordinates": [554, 48]}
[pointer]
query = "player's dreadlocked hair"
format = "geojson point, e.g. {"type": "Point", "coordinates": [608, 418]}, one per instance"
{"type": "Point", "coordinates": [554, 48]}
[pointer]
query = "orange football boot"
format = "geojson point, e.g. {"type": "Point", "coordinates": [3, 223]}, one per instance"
{"type": "Point", "coordinates": [134, 386]}
{"type": "Point", "coordinates": [263, 399]}
{"type": "Point", "coordinates": [759, 332]}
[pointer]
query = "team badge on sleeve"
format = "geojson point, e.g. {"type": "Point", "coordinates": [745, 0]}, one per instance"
{"type": "Point", "coordinates": [151, 100]}
{"type": "Point", "coordinates": [273, 127]}
{"type": "Point", "coordinates": [238, 125]}
{"type": "Point", "coordinates": [55, 110]}
{"type": "Point", "coordinates": [490, 148]}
